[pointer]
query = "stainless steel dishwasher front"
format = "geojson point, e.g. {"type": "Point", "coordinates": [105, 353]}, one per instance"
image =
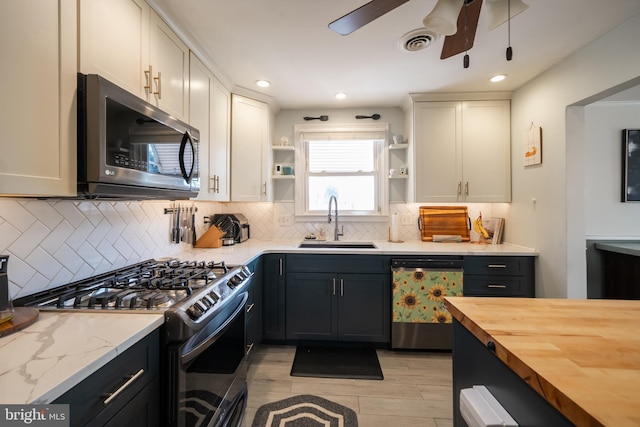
{"type": "Point", "coordinates": [420, 320]}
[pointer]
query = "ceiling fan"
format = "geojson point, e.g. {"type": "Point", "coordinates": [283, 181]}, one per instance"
{"type": "Point", "coordinates": [455, 19]}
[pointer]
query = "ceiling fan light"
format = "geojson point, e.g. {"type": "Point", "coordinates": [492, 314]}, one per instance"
{"type": "Point", "coordinates": [499, 11]}
{"type": "Point", "coordinates": [443, 18]}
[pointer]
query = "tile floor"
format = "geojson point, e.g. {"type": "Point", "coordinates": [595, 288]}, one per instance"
{"type": "Point", "coordinates": [416, 390]}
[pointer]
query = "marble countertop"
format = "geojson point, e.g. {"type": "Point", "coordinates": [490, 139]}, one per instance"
{"type": "Point", "coordinates": [244, 252]}
{"type": "Point", "coordinates": [582, 356]}
{"type": "Point", "coordinates": [43, 361]}
{"type": "Point", "coordinates": [59, 350]}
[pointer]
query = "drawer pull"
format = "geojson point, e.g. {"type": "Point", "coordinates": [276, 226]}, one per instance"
{"type": "Point", "coordinates": [249, 307]}
{"type": "Point", "coordinates": [123, 387]}
{"type": "Point", "coordinates": [249, 348]}
{"type": "Point", "coordinates": [497, 286]}
{"type": "Point", "coordinates": [497, 266]}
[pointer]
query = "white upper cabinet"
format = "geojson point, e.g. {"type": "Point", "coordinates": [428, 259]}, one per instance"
{"type": "Point", "coordinates": [38, 110]}
{"type": "Point", "coordinates": [220, 144]}
{"type": "Point", "coordinates": [127, 43]}
{"type": "Point", "coordinates": [169, 69]}
{"type": "Point", "coordinates": [462, 151]}
{"type": "Point", "coordinates": [209, 108]}
{"type": "Point", "coordinates": [249, 139]}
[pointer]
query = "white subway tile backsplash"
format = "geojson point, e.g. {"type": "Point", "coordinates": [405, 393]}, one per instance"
{"type": "Point", "coordinates": [54, 242]}
{"type": "Point", "coordinates": [30, 239]}
{"type": "Point", "coordinates": [16, 215]}
{"type": "Point", "coordinates": [57, 237]}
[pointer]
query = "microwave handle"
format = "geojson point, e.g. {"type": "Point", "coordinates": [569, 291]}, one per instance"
{"type": "Point", "coordinates": [186, 139]}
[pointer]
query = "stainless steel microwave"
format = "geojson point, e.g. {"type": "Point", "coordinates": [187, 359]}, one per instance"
{"type": "Point", "coordinates": [130, 149]}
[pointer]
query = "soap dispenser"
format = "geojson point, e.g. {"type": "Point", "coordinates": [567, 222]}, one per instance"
{"type": "Point", "coordinates": [6, 306]}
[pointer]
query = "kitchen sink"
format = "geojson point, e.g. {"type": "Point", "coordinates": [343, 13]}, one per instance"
{"type": "Point", "coordinates": [337, 244]}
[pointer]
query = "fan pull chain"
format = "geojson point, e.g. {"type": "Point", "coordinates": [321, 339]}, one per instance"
{"type": "Point", "coordinates": [465, 60]}
{"type": "Point", "coordinates": [509, 52]}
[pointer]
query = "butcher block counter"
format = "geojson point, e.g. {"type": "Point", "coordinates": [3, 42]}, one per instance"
{"type": "Point", "coordinates": [580, 356]}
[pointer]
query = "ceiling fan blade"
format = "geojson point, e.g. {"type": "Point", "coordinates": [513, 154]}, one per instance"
{"type": "Point", "coordinates": [363, 15]}
{"type": "Point", "coordinates": [463, 40]}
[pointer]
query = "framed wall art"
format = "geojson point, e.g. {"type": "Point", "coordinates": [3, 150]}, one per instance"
{"type": "Point", "coordinates": [533, 145]}
{"type": "Point", "coordinates": [631, 165]}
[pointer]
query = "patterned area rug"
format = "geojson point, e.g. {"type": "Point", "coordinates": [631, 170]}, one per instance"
{"type": "Point", "coordinates": [304, 411]}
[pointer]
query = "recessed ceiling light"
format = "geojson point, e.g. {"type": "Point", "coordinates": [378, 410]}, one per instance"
{"type": "Point", "coordinates": [498, 78]}
{"type": "Point", "coordinates": [341, 95]}
{"type": "Point", "coordinates": [263, 83]}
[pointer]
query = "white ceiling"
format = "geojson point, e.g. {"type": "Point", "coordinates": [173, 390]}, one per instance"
{"type": "Point", "coordinates": [288, 43]}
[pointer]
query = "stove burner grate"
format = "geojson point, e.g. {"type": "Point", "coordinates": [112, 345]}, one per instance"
{"type": "Point", "coordinates": [147, 285]}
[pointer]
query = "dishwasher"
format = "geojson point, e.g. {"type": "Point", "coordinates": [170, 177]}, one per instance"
{"type": "Point", "coordinates": [420, 320]}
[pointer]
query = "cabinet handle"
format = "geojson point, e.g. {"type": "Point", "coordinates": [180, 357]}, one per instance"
{"type": "Point", "coordinates": [264, 186]}
{"type": "Point", "coordinates": [497, 266]}
{"type": "Point", "coordinates": [466, 188]}
{"type": "Point", "coordinates": [341, 287]}
{"type": "Point", "coordinates": [459, 188]}
{"type": "Point", "coordinates": [158, 81]}
{"type": "Point", "coordinates": [212, 180]}
{"type": "Point", "coordinates": [249, 348]}
{"type": "Point", "coordinates": [281, 266]}
{"type": "Point", "coordinates": [147, 76]}
{"type": "Point", "coordinates": [334, 286]}
{"type": "Point", "coordinates": [123, 387]}
{"type": "Point", "coordinates": [497, 286]}
{"type": "Point", "coordinates": [217, 184]}
{"type": "Point", "coordinates": [250, 307]}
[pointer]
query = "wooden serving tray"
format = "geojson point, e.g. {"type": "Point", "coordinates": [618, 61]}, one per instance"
{"type": "Point", "coordinates": [22, 317]}
{"type": "Point", "coordinates": [444, 220]}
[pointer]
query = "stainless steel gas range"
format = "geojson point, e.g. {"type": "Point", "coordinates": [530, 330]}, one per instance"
{"type": "Point", "coordinates": [204, 346]}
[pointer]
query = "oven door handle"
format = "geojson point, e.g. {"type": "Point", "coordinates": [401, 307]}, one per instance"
{"type": "Point", "coordinates": [201, 346]}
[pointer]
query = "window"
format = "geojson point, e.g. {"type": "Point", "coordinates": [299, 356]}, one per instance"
{"type": "Point", "coordinates": [346, 162]}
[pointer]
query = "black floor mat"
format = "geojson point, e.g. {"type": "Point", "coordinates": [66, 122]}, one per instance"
{"type": "Point", "coordinates": [332, 362]}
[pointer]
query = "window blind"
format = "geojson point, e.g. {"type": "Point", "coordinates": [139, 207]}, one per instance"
{"type": "Point", "coordinates": [341, 156]}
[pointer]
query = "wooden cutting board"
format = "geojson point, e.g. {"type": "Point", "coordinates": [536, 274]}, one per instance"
{"type": "Point", "coordinates": [444, 220]}
{"type": "Point", "coordinates": [22, 317]}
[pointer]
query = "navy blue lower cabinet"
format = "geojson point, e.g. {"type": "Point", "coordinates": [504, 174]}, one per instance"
{"type": "Point", "coordinates": [137, 405]}
{"type": "Point", "coordinates": [475, 364]}
{"type": "Point", "coordinates": [499, 276]}
{"type": "Point", "coordinates": [338, 298]}
{"type": "Point", "coordinates": [254, 306]}
{"type": "Point", "coordinates": [273, 297]}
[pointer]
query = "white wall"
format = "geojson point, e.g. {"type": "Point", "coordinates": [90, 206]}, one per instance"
{"type": "Point", "coordinates": [554, 224]}
{"type": "Point", "coordinates": [605, 215]}
{"type": "Point", "coordinates": [286, 119]}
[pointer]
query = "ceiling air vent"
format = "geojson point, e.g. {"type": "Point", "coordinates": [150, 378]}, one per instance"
{"type": "Point", "coordinates": [417, 40]}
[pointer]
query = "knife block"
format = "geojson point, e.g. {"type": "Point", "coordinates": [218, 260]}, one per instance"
{"type": "Point", "coordinates": [212, 238]}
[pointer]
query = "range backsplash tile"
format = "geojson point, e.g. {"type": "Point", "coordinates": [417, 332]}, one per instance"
{"type": "Point", "coordinates": [54, 242]}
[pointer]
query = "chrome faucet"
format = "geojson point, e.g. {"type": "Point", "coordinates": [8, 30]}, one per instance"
{"type": "Point", "coordinates": [336, 233]}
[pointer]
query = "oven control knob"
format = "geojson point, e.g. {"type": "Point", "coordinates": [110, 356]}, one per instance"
{"type": "Point", "coordinates": [201, 305]}
{"type": "Point", "coordinates": [235, 281]}
{"type": "Point", "coordinates": [208, 300]}
{"type": "Point", "coordinates": [194, 312]}
{"type": "Point", "coordinates": [246, 271]}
